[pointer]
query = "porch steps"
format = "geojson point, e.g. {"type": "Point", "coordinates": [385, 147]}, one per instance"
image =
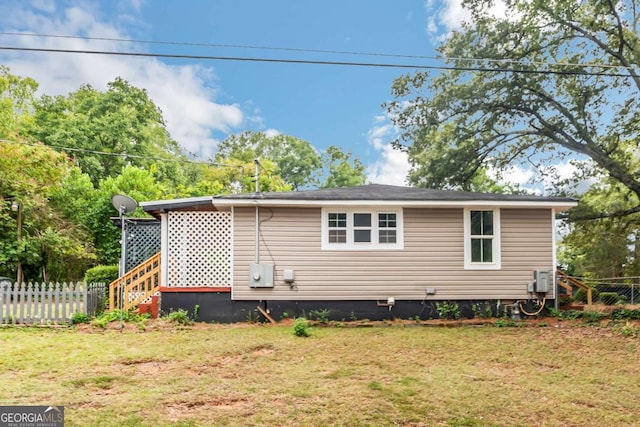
{"type": "Point", "coordinates": [137, 287]}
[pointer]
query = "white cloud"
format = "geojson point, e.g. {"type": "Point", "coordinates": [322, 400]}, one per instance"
{"type": "Point", "coordinates": [135, 4]}
{"type": "Point", "coordinates": [449, 15]}
{"type": "Point", "coordinates": [377, 135]}
{"type": "Point", "coordinates": [44, 5]}
{"type": "Point", "coordinates": [546, 180]}
{"type": "Point", "coordinates": [271, 133]}
{"type": "Point", "coordinates": [392, 167]}
{"type": "Point", "coordinates": [453, 14]}
{"type": "Point", "coordinates": [565, 174]}
{"type": "Point", "coordinates": [517, 177]}
{"type": "Point", "coordinates": [185, 93]}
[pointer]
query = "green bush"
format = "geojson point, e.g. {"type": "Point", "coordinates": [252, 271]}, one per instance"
{"type": "Point", "coordinates": [301, 327]}
{"type": "Point", "coordinates": [321, 316]}
{"type": "Point", "coordinates": [593, 317]}
{"type": "Point", "coordinates": [102, 274]}
{"type": "Point", "coordinates": [507, 322]}
{"type": "Point", "coordinates": [181, 317]}
{"type": "Point", "coordinates": [448, 310]}
{"type": "Point", "coordinates": [572, 314]}
{"type": "Point", "coordinates": [79, 318]}
{"type": "Point", "coordinates": [117, 315]}
{"type": "Point", "coordinates": [581, 295]}
{"type": "Point", "coordinates": [609, 298]}
{"type": "Point", "coordinates": [625, 313]}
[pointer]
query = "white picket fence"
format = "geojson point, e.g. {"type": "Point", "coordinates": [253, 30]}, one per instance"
{"type": "Point", "coordinates": [49, 303]}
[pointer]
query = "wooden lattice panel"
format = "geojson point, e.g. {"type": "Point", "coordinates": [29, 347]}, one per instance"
{"type": "Point", "coordinates": [199, 249]}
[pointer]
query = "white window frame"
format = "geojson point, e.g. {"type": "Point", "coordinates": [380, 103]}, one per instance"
{"type": "Point", "coordinates": [336, 227]}
{"type": "Point", "coordinates": [350, 245]}
{"type": "Point", "coordinates": [496, 263]}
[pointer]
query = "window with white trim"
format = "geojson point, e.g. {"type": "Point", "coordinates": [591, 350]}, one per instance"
{"type": "Point", "coordinates": [361, 229]}
{"type": "Point", "coordinates": [387, 227]}
{"type": "Point", "coordinates": [337, 227]}
{"type": "Point", "coordinates": [482, 239]}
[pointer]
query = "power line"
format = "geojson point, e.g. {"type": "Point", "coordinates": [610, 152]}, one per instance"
{"type": "Point", "coordinates": [232, 46]}
{"type": "Point", "coordinates": [325, 51]}
{"type": "Point", "coordinates": [124, 155]}
{"type": "Point", "coordinates": [316, 62]}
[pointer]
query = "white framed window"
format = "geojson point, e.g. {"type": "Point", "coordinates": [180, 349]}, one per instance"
{"type": "Point", "coordinates": [482, 239]}
{"type": "Point", "coordinates": [337, 227]}
{"type": "Point", "coordinates": [361, 229]}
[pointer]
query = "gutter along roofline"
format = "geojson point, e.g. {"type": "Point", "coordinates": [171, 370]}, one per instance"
{"type": "Point", "coordinates": [559, 205]}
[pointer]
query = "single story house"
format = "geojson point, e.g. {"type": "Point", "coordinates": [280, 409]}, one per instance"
{"type": "Point", "coordinates": [372, 251]}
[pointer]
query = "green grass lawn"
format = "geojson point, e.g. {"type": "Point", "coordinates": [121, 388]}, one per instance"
{"type": "Point", "coordinates": [381, 376]}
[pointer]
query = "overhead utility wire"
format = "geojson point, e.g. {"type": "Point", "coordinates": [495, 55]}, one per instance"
{"type": "Point", "coordinates": [232, 46]}
{"type": "Point", "coordinates": [339, 52]}
{"type": "Point", "coordinates": [313, 62]}
{"type": "Point", "coordinates": [132, 156]}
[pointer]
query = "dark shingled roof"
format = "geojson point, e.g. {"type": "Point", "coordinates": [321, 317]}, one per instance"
{"type": "Point", "coordinates": [391, 193]}
{"type": "Point", "coordinates": [366, 194]}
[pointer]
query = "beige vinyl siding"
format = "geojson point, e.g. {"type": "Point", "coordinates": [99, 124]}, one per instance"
{"type": "Point", "coordinates": [433, 257]}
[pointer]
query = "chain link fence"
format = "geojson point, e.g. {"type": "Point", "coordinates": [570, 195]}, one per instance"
{"type": "Point", "coordinates": [628, 292]}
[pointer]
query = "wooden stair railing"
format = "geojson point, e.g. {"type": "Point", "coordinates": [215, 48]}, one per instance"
{"type": "Point", "coordinates": [566, 281]}
{"type": "Point", "coordinates": [140, 284]}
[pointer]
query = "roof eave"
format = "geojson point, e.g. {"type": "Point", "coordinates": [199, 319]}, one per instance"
{"type": "Point", "coordinates": [175, 203]}
{"type": "Point", "coordinates": [557, 205]}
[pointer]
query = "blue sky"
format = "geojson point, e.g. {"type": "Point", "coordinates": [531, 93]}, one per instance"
{"type": "Point", "coordinates": [205, 101]}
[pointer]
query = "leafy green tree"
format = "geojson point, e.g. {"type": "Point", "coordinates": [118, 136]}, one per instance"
{"type": "Point", "coordinates": [137, 183]}
{"type": "Point", "coordinates": [36, 238]}
{"type": "Point", "coordinates": [16, 101]}
{"type": "Point", "coordinates": [74, 197]}
{"type": "Point", "coordinates": [121, 122]}
{"type": "Point", "coordinates": [608, 246]}
{"type": "Point", "coordinates": [297, 162]}
{"type": "Point", "coordinates": [559, 80]}
{"type": "Point", "coordinates": [342, 169]}
{"type": "Point", "coordinates": [235, 176]}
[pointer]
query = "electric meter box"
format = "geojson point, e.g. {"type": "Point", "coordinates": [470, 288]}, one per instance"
{"type": "Point", "coordinates": [542, 281]}
{"type": "Point", "coordinates": [261, 276]}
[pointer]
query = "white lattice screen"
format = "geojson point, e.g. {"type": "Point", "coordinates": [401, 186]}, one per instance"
{"type": "Point", "coordinates": [199, 249]}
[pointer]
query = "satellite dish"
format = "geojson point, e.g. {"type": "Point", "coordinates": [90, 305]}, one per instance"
{"type": "Point", "coordinates": [123, 204]}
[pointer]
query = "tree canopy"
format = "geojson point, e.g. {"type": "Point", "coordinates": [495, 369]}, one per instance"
{"type": "Point", "coordinates": [36, 236]}
{"type": "Point", "coordinates": [296, 161]}
{"type": "Point", "coordinates": [548, 81]}
{"type": "Point", "coordinates": [16, 102]}
{"type": "Point", "coordinates": [104, 131]}
{"type": "Point", "coordinates": [604, 247]}
{"type": "Point", "coordinates": [342, 169]}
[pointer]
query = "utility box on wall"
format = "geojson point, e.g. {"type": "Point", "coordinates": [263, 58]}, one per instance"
{"type": "Point", "coordinates": [261, 276]}
{"type": "Point", "coordinates": [542, 281]}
